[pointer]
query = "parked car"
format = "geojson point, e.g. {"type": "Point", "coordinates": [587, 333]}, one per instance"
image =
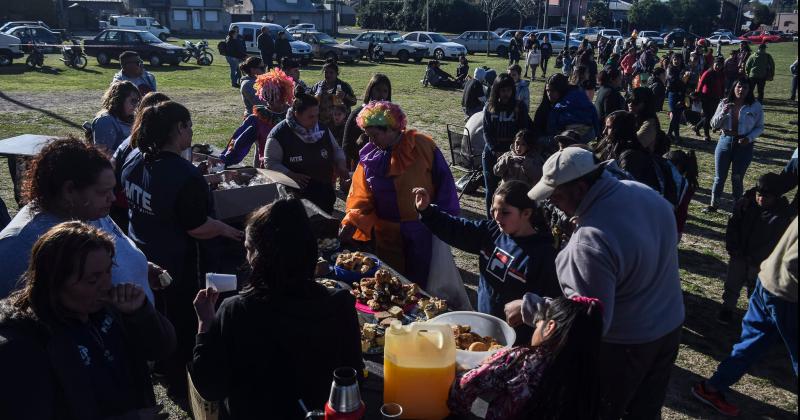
{"type": "Point", "coordinates": [9, 49]}
{"type": "Point", "coordinates": [301, 27]}
{"type": "Point", "coordinates": [14, 23]}
{"type": "Point", "coordinates": [511, 32]}
{"type": "Point", "coordinates": [787, 36]}
{"type": "Point", "coordinates": [140, 23]}
{"type": "Point", "coordinates": [501, 30]}
{"type": "Point", "coordinates": [324, 46]}
{"type": "Point", "coordinates": [723, 39]}
{"type": "Point", "coordinates": [249, 31]}
{"type": "Point", "coordinates": [29, 34]}
{"type": "Point", "coordinates": [611, 34]}
{"type": "Point", "coordinates": [676, 38]}
{"type": "Point", "coordinates": [392, 43]}
{"type": "Point", "coordinates": [530, 28]}
{"type": "Point", "coordinates": [760, 37]}
{"type": "Point", "coordinates": [585, 33]}
{"type": "Point", "coordinates": [649, 36]}
{"type": "Point", "coordinates": [723, 32]}
{"type": "Point", "coordinates": [477, 41]}
{"type": "Point", "coordinates": [110, 43]}
{"type": "Point", "coordinates": [439, 47]}
{"type": "Point", "coordinates": [558, 39]}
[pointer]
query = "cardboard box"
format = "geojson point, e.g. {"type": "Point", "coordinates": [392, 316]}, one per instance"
{"type": "Point", "coordinates": [237, 203]}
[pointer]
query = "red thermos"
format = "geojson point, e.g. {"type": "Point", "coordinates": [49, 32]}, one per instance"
{"type": "Point", "coordinates": [345, 400]}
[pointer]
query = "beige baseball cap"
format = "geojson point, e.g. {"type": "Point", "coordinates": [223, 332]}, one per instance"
{"type": "Point", "coordinates": [562, 167]}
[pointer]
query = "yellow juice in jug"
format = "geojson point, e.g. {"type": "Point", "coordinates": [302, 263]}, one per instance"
{"type": "Point", "coordinates": [422, 392]}
{"type": "Point", "coordinates": [418, 369]}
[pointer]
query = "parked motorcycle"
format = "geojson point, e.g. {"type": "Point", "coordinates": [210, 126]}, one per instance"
{"type": "Point", "coordinates": [199, 52]}
{"type": "Point", "coordinates": [377, 54]}
{"type": "Point", "coordinates": [36, 58]}
{"type": "Point", "coordinates": [73, 56]}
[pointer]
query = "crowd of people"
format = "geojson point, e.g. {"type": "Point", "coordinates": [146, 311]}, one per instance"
{"type": "Point", "coordinates": [585, 205]}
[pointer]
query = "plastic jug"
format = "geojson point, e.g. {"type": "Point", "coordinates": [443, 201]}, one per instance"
{"type": "Point", "coordinates": [419, 365]}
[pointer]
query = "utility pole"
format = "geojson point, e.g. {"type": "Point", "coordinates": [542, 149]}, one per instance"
{"type": "Point", "coordinates": [427, 15]}
{"type": "Point", "coordinates": [566, 28]}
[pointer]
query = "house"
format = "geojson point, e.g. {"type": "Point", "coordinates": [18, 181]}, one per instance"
{"type": "Point", "coordinates": [291, 12]}
{"type": "Point", "coordinates": [786, 22]}
{"type": "Point", "coordinates": [185, 16]}
{"type": "Point", "coordinates": [85, 14]}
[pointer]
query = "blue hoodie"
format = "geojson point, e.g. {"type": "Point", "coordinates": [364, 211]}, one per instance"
{"type": "Point", "coordinates": [574, 108]}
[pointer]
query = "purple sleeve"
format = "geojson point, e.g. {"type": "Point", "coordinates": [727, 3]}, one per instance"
{"type": "Point", "coordinates": [446, 194]}
{"type": "Point", "coordinates": [240, 143]}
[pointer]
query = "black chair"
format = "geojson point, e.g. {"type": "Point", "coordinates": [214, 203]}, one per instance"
{"type": "Point", "coordinates": [463, 158]}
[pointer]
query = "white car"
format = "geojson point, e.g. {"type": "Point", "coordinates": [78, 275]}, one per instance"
{"type": "Point", "coordinates": [649, 36]}
{"type": "Point", "coordinates": [141, 23]}
{"type": "Point", "coordinates": [301, 27]}
{"type": "Point", "coordinates": [611, 34]}
{"type": "Point", "coordinates": [9, 49]}
{"type": "Point", "coordinates": [439, 47]}
{"type": "Point", "coordinates": [558, 39]}
{"type": "Point", "coordinates": [249, 32]}
{"type": "Point", "coordinates": [724, 40]}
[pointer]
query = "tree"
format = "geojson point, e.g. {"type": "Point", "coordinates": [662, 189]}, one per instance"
{"type": "Point", "coordinates": [492, 9]}
{"type": "Point", "coordinates": [762, 15]}
{"type": "Point", "coordinates": [697, 16]}
{"type": "Point", "coordinates": [649, 14]}
{"type": "Point", "coordinates": [525, 8]}
{"type": "Point", "coordinates": [597, 14]}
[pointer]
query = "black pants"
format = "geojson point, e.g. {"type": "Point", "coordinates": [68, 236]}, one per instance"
{"type": "Point", "coordinates": [634, 377]}
{"type": "Point", "coordinates": [709, 108]}
{"type": "Point", "coordinates": [543, 64]}
{"type": "Point", "coordinates": [320, 193]}
{"type": "Point", "coordinates": [759, 84]}
{"type": "Point", "coordinates": [266, 57]}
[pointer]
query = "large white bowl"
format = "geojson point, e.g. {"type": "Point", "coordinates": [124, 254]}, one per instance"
{"type": "Point", "coordinates": [483, 325]}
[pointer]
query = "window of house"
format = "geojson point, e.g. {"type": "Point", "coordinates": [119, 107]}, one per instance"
{"type": "Point", "coordinates": [179, 15]}
{"type": "Point", "coordinates": [212, 16]}
{"type": "Point", "coordinates": [195, 3]}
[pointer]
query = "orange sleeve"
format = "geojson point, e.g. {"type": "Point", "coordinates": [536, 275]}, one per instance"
{"type": "Point", "coordinates": [359, 209]}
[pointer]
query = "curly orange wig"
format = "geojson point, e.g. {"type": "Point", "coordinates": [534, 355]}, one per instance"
{"type": "Point", "coordinates": [275, 84]}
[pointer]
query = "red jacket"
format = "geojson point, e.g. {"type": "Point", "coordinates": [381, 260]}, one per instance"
{"type": "Point", "coordinates": [712, 84]}
{"type": "Point", "coordinates": [627, 63]}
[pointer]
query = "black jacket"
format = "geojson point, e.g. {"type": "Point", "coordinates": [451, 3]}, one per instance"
{"type": "Point", "coordinates": [352, 132]}
{"type": "Point", "coordinates": [608, 100]}
{"type": "Point", "coordinates": [44, 375]}
{"type": "Point", "coordinates": [753, 231]}
{"type": "Point", "coordinates": [659, 93]}
{"type": "Point", "coordinates": [263, 353]}
{"type": "Point", "coordinates": [265, 44]}
{"type": "Point", "coordinates": [235, 48]}
{"type": "Point", "coordinates": [283, 48]}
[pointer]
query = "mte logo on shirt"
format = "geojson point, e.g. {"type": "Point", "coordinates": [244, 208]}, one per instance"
{"type": "Point", "coordinates": [138, 197]}
{"type": "Point", "coordinates": [295, 159]}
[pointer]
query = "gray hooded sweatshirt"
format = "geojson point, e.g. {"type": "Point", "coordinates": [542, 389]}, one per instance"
{"type": "Point", "coordinates": [624, 252]}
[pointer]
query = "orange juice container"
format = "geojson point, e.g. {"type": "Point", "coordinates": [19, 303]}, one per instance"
{"type": "Point", "coordinates": [419, 366]}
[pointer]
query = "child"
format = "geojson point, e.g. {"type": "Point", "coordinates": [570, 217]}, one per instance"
{"type": "Point", "coordinates": [659, 88]}
{"type": "Point", "coordinates": [567, 63]}
{"type": "Point", "coordinates": [523, 92]}
{"type": "Point", "coordinates": [521, 163]}
{"type": "Point", "coordinates": [533, 60]}
{"type": "Point", "coordinates": [758, 222]}
{"type": "Point", "coordinates": [339, 115]}
{"type": "Point", "coordinates": [462, 70]}
{"type": "Point", "coordinates": [553, 378]}
{"type": "Point", "coordinates": [694, 115]}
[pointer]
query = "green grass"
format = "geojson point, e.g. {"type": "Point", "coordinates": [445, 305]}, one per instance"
{"type": "Point", "coordinates": [59, 93]}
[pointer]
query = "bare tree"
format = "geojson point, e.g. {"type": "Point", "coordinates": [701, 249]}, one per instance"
{"type": "Point", "coordinates": [525, 8]}
{"type": "Point", "coordinates": [493, 9]}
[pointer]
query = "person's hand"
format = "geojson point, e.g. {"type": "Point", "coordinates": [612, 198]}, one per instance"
{"type": "Point", "coordinates": [727, 108]}
{"type": "Point", "coordinates": [205, 306]}
{"type": "Point", "coordinates": [744, 140]}
{"type": "Point", "coordinates": [232, 233]}
{"type": "Point", "coordinates": [126, 298]}
{"type": "Point", "coordinates": [346, 235]}
{"type": "Point", "coordinates": [300, 179]}
{"type": "Point", "coordinates": [513, 312]}
{"type": "Point", "coordinates": [153, 273]}
{"type": "Point", "coordinates": [421, 198]}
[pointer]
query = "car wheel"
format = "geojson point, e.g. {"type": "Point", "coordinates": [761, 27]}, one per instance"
{"type": "Point", "coordinates": [155, 60]}
{"type": "Point", "coordinates": [331, 56]}
{"type": "Point", "coordinates": [502, 51]}
{"type": "Point", "coordinates": [103, 59]}
{"type": "Point", "coordinates": [6, 60]}
{"type": "Point", "coordinates": [402, 55]}
{"type": "Point", "coordinates": [438, 54]}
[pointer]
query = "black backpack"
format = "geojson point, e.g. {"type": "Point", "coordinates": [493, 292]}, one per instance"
{"type": "Point", "coordinates": [222, 47]}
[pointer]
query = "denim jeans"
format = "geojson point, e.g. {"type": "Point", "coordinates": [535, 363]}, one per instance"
{"type": "Point", "coordinates": [234, 63]}
{"type": "Point", "coordinates": [490, 179]}
{"type": "Point", "coordinates": [768, 317]}
{"type": "Point", "coordinates": [677, 115]}
{"type": "Point", "coordinates": [729, 153]}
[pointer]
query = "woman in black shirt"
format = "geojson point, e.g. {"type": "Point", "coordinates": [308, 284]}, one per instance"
{"type": "Point", "coordinates": [279, 340]}
{"type": "Point", "coordinates": [379, 88]}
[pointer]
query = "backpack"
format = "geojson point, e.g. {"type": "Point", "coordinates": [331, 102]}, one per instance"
{"type": "Point", "coordinates": [222, 47]}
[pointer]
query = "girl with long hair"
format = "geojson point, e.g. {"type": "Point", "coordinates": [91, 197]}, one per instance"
{"type": "Point", "coordinates": [379, 88]}
{"type": "Point", "coordinates": [113, 123]}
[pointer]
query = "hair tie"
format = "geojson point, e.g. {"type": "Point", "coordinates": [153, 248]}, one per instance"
{"type": "Point", "coordinates": [589, 302]}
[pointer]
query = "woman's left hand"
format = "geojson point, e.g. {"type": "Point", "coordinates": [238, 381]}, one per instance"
{"type": "Point", "coordinates": [126, 298]}
{"type": "Point", "coordinates": [204, 305]}
{"type": "Point", "coordinates": [153, 273]}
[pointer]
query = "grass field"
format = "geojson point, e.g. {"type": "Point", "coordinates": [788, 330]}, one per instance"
{"type": "Point", "coordinates": [56, 101]}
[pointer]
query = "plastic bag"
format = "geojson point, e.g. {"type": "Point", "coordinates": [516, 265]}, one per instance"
{"type": "Point", "coordinates": [444, 280]}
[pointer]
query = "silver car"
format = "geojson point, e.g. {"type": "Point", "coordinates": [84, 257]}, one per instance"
{"type": "Point", "coordinates": [439, 47]}
{"type": "Point", "coordinates": [477, 41]}
{"type": "Point", "coordinates": [392, 43]}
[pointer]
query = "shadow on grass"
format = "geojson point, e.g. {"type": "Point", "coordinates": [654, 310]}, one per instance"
{"type": "Point", "coordinates": [703, 264]}
{"type": "Point", "coordinates": [680, 399]}
{"type": "Point", "coordinates": [164, 68]}
{"type": "Point", "coordinates": [50, 114]}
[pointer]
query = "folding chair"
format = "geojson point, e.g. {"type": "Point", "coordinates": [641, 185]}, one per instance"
{"type": "Point", "coordinates": [461, 155]}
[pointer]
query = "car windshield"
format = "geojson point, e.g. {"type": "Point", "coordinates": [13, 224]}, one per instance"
{"type": "Point", "coordinates": [649, 33]}
{"type": "Point", "coordinates": [149, 38]}
{"type": "Point", "coordinates": [395, 38]}
{"type": "Point", "coordinates": [612, 33]}
{"type": "Point", "coordinates": [325, 38]}
{"type": "Point", "coordinates": [438, 38]}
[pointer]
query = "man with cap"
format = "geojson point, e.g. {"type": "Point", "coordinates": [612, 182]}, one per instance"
{"type": "Point", "coordinates": [760, 67]}
{"type": "Point", "coordinates": [623, 251]}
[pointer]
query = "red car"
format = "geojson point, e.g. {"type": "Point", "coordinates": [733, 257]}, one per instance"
{"type": "Point", "coordinates": [760, 37]}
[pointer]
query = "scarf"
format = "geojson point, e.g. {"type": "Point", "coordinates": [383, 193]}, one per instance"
{"type": "Point", "coordinates": [308, 136]}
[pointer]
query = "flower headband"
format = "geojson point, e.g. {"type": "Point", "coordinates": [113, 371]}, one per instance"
{"type": "Point", "coordinates": [275, 84]}
{"type": "Point", "coordinates": [382, 114]}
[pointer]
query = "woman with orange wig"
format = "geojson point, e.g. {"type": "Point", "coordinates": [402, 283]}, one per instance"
{"type": "Point", "coordinates": [380, 205]}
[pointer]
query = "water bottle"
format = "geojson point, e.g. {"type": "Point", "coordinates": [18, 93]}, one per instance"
{"type": "Point", "coordinates": [344, 402]}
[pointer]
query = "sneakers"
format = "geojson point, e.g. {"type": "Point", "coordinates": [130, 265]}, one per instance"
{"type": "Point", "coordinates": [725, 317]}
{"type": "Point", "coordinates": [710, 209]}
{"type": "Point", "coordinates": [714, 399]}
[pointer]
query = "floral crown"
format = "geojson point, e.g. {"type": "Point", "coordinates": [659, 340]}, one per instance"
{"type": "Point", "coordinates": [382, 114]}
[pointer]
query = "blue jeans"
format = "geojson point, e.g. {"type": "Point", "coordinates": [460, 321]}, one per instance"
{"type": "Point", "coordinates": [730, 153]}
{"type": "Point", "coordinates": [673, 100]}
{"type": "Point", "coordinates": [489, 178]}
{"type": "Point", "coordinates": [768, 317]}
{"type": "Point", "coordinates": [234, 63]}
